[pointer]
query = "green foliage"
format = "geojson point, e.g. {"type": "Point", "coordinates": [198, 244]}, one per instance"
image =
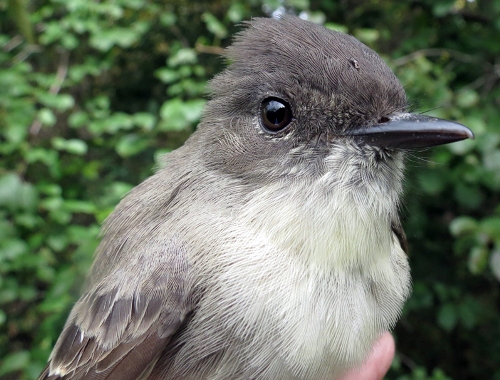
{"type": "Point", "coordinates": [93, 92]}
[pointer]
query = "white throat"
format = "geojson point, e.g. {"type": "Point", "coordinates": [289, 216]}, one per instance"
{"type": "Point", "coordinates": [339, 221]}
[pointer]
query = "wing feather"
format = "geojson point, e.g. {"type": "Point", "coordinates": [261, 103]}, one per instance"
{"type": "Point", "coordinates": [120, 331]}
{"type": "Point", "coordinates": [397, 229]}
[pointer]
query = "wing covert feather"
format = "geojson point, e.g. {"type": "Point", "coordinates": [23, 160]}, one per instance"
{"type": "Point", "coordinates": [120, 331]}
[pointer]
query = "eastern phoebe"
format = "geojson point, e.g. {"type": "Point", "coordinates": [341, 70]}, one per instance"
{"type": "Point", "coordinates": [268, 246]}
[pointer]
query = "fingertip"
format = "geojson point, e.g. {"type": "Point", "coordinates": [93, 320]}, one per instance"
{"type": "Point", "coordinates": [379, 361]}
{"type": "Point", "coordinates": [386, 348]}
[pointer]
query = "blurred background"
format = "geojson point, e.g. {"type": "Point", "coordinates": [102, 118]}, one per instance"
{"type": "Point", "coordinates": [93, 92]}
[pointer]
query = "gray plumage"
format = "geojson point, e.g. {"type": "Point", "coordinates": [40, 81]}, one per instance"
{"type": "Point", "coordinates": [249, 254]}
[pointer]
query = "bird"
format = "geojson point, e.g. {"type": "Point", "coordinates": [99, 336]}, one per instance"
{"type": "Point", "coordinates": [269, 245]}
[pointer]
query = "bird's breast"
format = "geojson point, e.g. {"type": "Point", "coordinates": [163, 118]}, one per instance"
{"type": "Point", "coordinates": [300, 288]}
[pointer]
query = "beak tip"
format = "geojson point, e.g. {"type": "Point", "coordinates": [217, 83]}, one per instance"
{"type": "Point", "coordinates": [466, 133]}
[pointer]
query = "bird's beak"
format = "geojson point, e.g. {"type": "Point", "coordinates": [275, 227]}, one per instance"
{"type": "Point", "coordinates": [407, 130]}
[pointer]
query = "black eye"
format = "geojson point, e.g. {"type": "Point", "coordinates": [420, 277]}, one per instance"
{"type": "Point", "coordinates": [275, 114]}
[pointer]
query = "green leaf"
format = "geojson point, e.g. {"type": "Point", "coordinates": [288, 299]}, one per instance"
{"type": "Point", "coordinates": [336, 27]}
{"type": "Point", "coordinates": [6, 229]}
{"type": "Point", "coordinates": [11, 249]}
{"type": "Point", "coordinates": [468, 195]}
{"type": "Point", "coordinates": [60, 102]}
{"type": "Point", "coordinates": [50, 189]}
{"type": "Point", "coordinates": [193, 110]}
{"type": "Point", "coordinates": [27, 197]}
{"type": "Point", "coordinates": [78, 119]}
{"type": "Point", "coordinates": [57, 242]}
{"type": "Point", "coordinates": [14, 362]}
{"type": "Point", "coordinates": [8, 293]}
{"type": "Point", "coordinates": [491, 227]}
{"type": "Point", "coordinates": [131, 144]}
{"type": "Point", "coordinates": [315, 17]}
{"type": "Point", "coordinates": [475, 121]}
{"type": "Point", "coordinates": [74, 146]}
{"type": "Point", "coordinates": [214, 26]}
{"type": "Point", "coordinates": [299, 4]}
{"type": "Point", "coordinates": [16, 132]}
{"type": "Point", "coordinates": [168, 18]}
{"type": "Point", "coordinates": [236, 12]}
{"type": "Point", "coordinates": [10, 185]}
{"type": "Point", "coordinates": [495, 263]}
{"type": "Point", "coordinates": [443, 7]}
{"type": "Point", "coordinates": [47, 117]}
{"type": "Point", "coordinates": [491, 161]}
{"type": "Point", "coordinates": [167, 75]}
{"type": "Point", "coordinates": [462, 147]}
{"type": "Point", "coordinates": [118, 121]}
{"type": "Point", "coordinates": [463, 225]}
{"type": "Point", "coordinates": [439, 374]}
{"type": "Point", "coordinates": [79, 206]}
{"type": "Point", "coordinates": [177, 115]}
{"type": "Point", "coordinates": [367, 36]}
{"type": "Point", "coordinates": [160, 156]}
{"type": "Point", "coordinates": [28, 221]}
{"type": "Point", "coordinates": [182, 57]}
{"type": "Point", "coordinates": [106, 39]}
{"type": "Point", "coordinates": [431, 181]}
{"type": "Point", "coordinates": [467, 98]}
{"type": "Point", "coordinates": [447, 316]}
{"type": "Point", "coordinates": [478, 260]}
{"type": "Point", "coordinates": [144, 120]}
{"type": "Point", "coordinates": [468, 310]}
{"type": "Point", "coordinates": [49, 157]}
{"type": "Point", "coordinates": [16, 195]}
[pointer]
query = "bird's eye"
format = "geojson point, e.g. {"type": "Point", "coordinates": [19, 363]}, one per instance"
{"type": "Point", "coordinates": [275, 114]}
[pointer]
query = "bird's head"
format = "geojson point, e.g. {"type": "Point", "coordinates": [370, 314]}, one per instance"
{"type": "Point", "coordinates": [300, 99]}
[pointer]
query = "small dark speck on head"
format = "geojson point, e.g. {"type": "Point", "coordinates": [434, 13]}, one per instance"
{"type": "Point", "coordinates": [354, 63]}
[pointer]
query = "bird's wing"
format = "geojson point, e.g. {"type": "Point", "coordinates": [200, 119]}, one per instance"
{"type": "Point", "coordinates": [119, 332]}
{"type": "Point", "coordinates": [397, 229]}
